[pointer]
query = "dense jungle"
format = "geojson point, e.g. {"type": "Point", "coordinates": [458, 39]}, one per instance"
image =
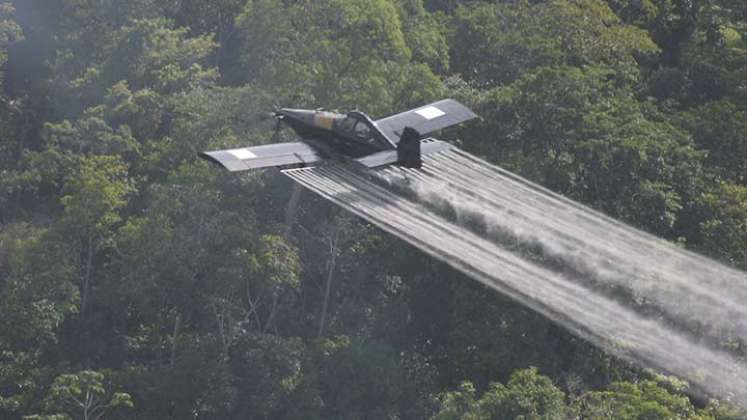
{"type": "Point", "coordinates": [139, 281]}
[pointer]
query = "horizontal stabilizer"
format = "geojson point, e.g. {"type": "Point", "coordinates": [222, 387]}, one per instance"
{"type": "Point", "coordinates": [426, 119]}
{"type": "Point", "coordinates": [389, 157]}
{"type": "Point", "coordinates": [279, 154]}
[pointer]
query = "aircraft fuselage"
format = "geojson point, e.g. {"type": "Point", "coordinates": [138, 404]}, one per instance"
{"type": "Point", "coordinates": [350, 135]}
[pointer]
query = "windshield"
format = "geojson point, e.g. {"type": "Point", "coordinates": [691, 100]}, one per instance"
{"type": "Point", "coordinates": [360, 130]}
{"type": "Point", "coordinates": [348, 124]}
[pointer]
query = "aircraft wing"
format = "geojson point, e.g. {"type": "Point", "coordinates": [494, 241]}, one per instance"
{"type": "Point", "coordinates": [389, 157]}
{"type": "Point", "coordinates": [278, 154]}
{"type": "Point", "coordinates": [426, 119]}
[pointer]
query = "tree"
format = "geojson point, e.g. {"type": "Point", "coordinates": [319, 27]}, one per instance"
{"type": "Point", "coordinates": [527, 395]}
{"type": "Point", "coordinates": [145, 53]}
{"type": "Point", "coordinates": [38, 294]}
{"type": "Point", "coordinates": [10, 32]}
{"type": "Point", "coordinates": [718, 127]}
{"type": "Point", "coordinates": [85, 394]}
{"type": "Point", "coordinates": [596, 143]}
{"type": "Point", "coordinates": [273, 272]}
{"type": "Point", "coordinates": [96, 132]}
{"type": "Point", "coordinates": [333, 53]}
{"type": "Point", "coordinates": [494, 44]}
{"type": "Point", "coordinates": [723, 227]}
{"type": "Point", "coordinates": [11, 146]}
{"type": "Point", "coordinates": [643, 400]}
{"type": "Point", "coordinates": [95, 195]}
{"type": "Point", "coordinates": [268, 372]}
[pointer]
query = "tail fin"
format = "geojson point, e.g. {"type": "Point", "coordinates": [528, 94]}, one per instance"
{"type": "Point", "coordinates": [408, 149]}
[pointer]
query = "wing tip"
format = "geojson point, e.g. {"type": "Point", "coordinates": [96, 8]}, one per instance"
{"type": "Point", "coordinates": [210, 158]}
{"type": "Point", "coordinates": [217, 159]}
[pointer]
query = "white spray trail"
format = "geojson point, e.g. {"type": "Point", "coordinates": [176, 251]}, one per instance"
{"type": "Point", "coordinates": [600, 256]}
{"type": "Point", "coordinates": [688, 287]}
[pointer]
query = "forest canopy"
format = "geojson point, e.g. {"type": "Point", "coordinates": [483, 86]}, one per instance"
{"type": "Point", "coordinates": [137, 281]}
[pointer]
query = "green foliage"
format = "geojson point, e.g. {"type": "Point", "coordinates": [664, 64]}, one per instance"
{"type": "Point", "coordinates": [503, 41]}
{"type": "Point", "coordinates": [493, 44]}
{"type": "Point", "coordinates": [277, 263]}
{"type": "Point", "coordinates": [145, 53]}
{"type": "Point", "coordinates": [10, 34]}
{"type": "Point", "coordinates": [425, 35]}
{"type": "Point", "coordinates": [595, 143]}
{"type": "Point", "coordinates": [644, 400]}
{"type": "Point", "coordinates": [37, 294]}
{"type": "Point", "coordinates": [593, 34]}
{"type": "Point", "coordinates": [84, 394]}
{"type": "Point", "coordinates": [95, 193]}
{"type": "Point", "coordinates": [724, 225]}
{"type": "Point", "coordinates": [527, 395]}
{"type": "Point", "coordinates": [718, 127]}
{"type": "Point", "coordinates": [134, 272]}
{"type": "Point", "coordinates": [337, 53]}
{"type": "Point", "coordinates": [37, 290]}
{"type": "Point", "coordinates": [269, 372]}
{"type": "Point", "coordinates": [10, 31]}
{"type": "Point", "coordinates": [362, 380]}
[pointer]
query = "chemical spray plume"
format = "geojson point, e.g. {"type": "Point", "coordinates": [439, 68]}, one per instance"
{"type": "Point", "coordinates": [591, 274]}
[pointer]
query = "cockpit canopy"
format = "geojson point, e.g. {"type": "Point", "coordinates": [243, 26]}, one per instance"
{"type": "Point", "coordinates": [358, 127]}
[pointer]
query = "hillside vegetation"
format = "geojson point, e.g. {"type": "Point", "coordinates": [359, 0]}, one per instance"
{"type": "Point", "coordinates": [138, 281]}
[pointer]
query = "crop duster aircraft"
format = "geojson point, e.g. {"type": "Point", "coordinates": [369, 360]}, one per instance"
{"type": "Point", "coordinates": [350, 137]}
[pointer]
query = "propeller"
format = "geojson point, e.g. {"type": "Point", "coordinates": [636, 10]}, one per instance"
{"type": "Point", "coordinates": [265, 116]}
{"type": "Point", "coordinates": [276, 132]}
{"type": "Point", "coordinates": [276, 115]}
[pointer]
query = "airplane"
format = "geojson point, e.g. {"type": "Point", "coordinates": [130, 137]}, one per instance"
{"type": "Point", "coordinates": [354, 136]}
